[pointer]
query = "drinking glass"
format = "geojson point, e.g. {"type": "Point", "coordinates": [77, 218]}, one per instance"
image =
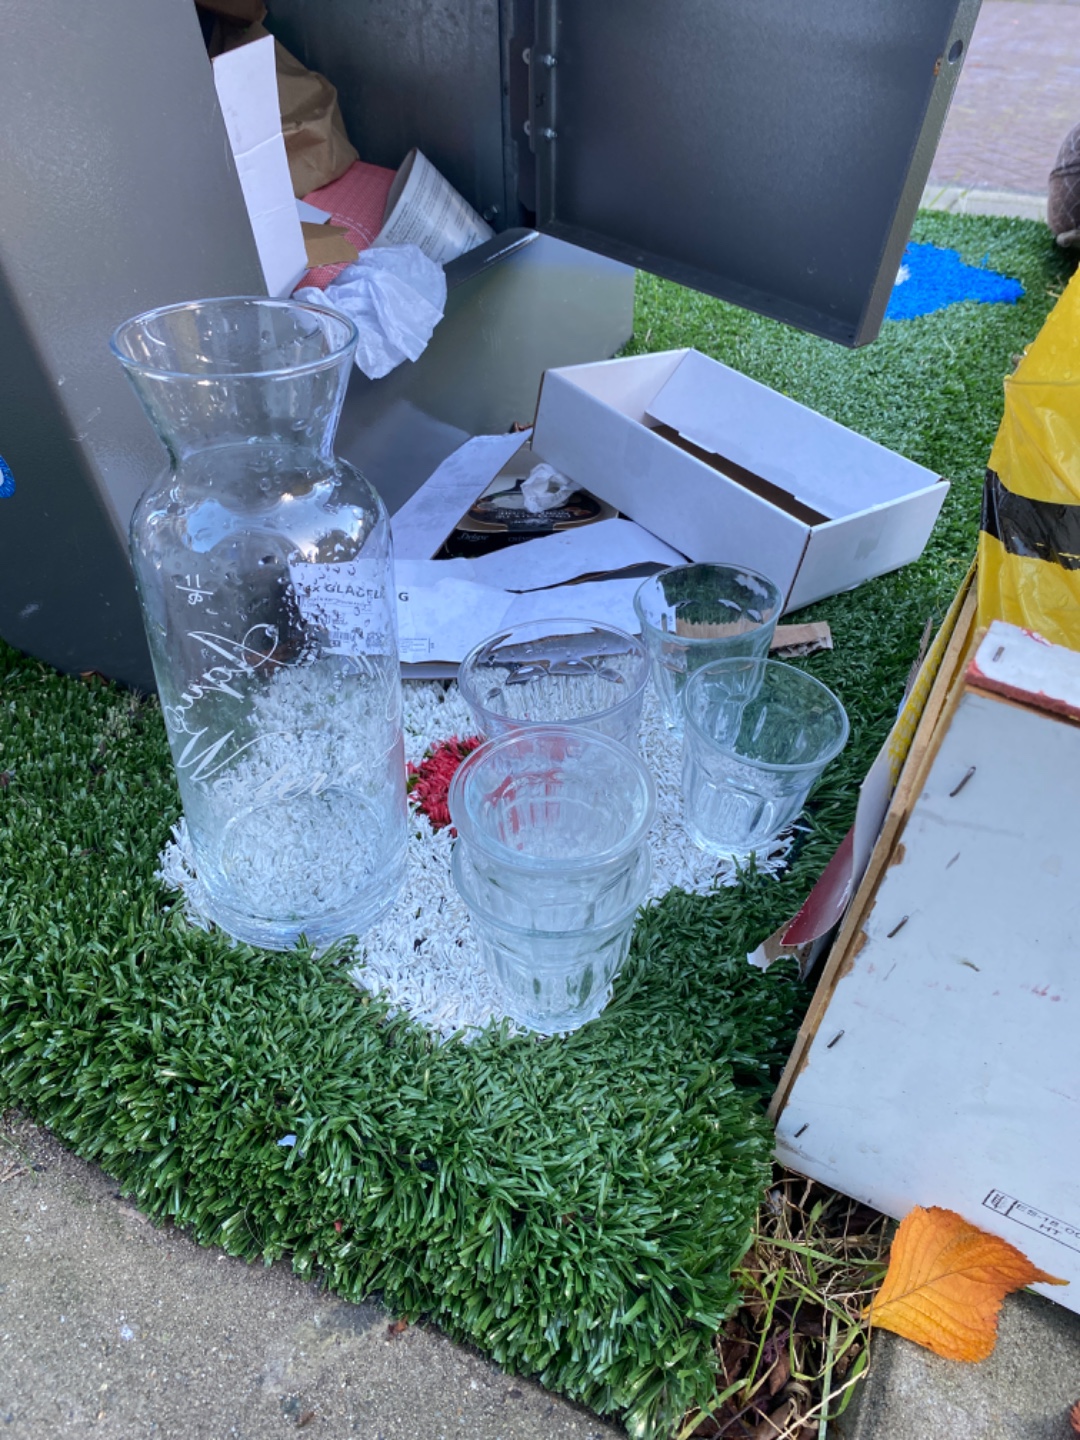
{"type": "Point", "coordinates": [758, 734]}
{"type": "Point", "coordinates": [557, 672]}
{"type": "Point", "coordinates": [552, 860]}
{"type": "Point", "coordinates": [550, 981]}
{"type": "Point", "coordinates": [691, 615]}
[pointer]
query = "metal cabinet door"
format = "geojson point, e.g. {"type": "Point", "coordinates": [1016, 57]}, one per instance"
{"type": "Point", "coordinates": [766, 151]}
{"type": "Point", "coordinates": [772, 152]}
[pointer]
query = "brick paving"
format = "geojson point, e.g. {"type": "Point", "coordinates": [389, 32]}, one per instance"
{"type": "Point", "coordinates": [1017, 97]}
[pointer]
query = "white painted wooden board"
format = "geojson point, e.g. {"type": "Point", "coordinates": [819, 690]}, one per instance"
{"type": "Point", "coordinates": [946, 1070]}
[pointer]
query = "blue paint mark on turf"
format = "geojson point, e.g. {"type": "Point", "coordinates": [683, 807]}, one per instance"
{"type": "Point", "coordinates": [7, 480]}
{"type": "Point", "coordinates": [932, 279]}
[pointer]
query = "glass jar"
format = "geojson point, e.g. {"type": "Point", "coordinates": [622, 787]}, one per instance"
{"type": "Point", "coordinates": [264, 569]}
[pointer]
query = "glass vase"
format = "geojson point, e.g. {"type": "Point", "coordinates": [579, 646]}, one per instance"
{"type": "Point", "coordinates": [264, 568]}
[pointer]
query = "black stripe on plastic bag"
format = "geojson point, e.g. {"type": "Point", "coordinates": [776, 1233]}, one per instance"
{"type": "Point", "coordinates": [1033, 529]}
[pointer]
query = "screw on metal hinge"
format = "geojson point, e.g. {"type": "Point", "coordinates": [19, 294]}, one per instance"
{"type": "Point", "coordinates": [526, 54]}
{"type": "Point", "coordinates": [547, 133]}
{"type": "Point", "coordinates": [548, 61]}
{"type": "Point", "coordinates": [528, 128]}
{"type": "Point", "coordinates": [491, 212]}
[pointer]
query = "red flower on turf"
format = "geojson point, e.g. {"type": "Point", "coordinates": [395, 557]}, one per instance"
{"type": "Point", "coordinates": [429, 782]}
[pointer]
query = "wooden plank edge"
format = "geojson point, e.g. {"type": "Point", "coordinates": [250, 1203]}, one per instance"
{"type": "Point", "coordinates": [929, 733]}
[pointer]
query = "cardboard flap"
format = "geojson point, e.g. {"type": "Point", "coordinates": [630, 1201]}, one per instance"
{"type": "Point", "coordinates": [246, 84]}
{"type": "Point", "coordinates": [821, 464]}
{"type": "Point", "coordinates": [627, 385]}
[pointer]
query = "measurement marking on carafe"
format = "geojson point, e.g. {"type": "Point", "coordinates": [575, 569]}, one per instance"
{"type": "Point", "coordinates": [196, 593]}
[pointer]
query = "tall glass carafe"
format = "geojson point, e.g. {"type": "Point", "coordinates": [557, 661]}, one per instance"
{"type": "Point", "coordinates": [264, 568]}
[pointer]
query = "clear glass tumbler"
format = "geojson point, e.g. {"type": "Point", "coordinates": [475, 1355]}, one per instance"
{"type": "Point", "coordinates": [758, 734]}
{"type": "Point", "coordinates": [691, 615]}
{"type": "Point", "coordinates": [550, 981]}
{"type": "Point", "coordinates": [264, 568]}
{"type": "Point", "coordinates": [552, 827]}
{"type": "Point", "coordinates": [557, 672]}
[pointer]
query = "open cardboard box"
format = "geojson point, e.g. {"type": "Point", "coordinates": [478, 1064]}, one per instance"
{"type": "Point", "coordinates": [725, 469]}
{"type": "Point", "coordinates": [707, 464]}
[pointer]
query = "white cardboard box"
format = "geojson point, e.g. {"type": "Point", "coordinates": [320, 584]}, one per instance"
{"type": "Point", "coordinates": [725, 469]}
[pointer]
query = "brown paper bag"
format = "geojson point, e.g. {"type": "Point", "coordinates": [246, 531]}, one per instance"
{"type": "Point", "coordinates": [243, 12]}
{"type": "Point", "coordinates": [315, 139]}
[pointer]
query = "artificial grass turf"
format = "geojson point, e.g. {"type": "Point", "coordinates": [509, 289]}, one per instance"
{"type": "Point", "coordinates": [572, 1206]}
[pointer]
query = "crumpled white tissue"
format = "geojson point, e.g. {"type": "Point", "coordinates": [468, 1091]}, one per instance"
{"type": "Point", "coordinates": [545, 488]}
{"type": "Point", "coordinates": [395, 295]}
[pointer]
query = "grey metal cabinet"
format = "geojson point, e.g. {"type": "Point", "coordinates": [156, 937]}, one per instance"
{"type": "Point", "coordinates": [766, 151]}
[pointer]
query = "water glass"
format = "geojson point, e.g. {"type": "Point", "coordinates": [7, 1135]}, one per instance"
{"type": "Point", "coordinates": [758, 734]}
{"type": "Point", "coordinates": [550, 981]}
{"type": "Point", "coordinates": [552, 859]}
{"type": "Point", "coordinates": [557, 672]}
{"type": "Point", "coordinates": [692, 615]}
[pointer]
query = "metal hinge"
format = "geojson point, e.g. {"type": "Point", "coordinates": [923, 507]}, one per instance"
{"type": "Point", "coordinates": [542, 61]}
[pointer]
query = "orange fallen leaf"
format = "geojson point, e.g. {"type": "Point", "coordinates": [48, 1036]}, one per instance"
{"type": "Point", "coordinates": [1074, 1417]}
{"type": "Point", "coordinates": [946, 1281]}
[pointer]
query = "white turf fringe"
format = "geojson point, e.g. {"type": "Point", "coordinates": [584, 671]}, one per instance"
{"type": "Point", "coordinates": [421, 956]}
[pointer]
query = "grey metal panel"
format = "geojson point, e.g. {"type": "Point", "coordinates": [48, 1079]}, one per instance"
{"type": "Point", "coordinates": [412, 72]}
{"type": "Point", "coordinates": [66, 593]}
{"type": "Point", "coordinates": [517, 306]}
{"type": "Point", "coordinates": [768, 152]}
{"type": "Point", "coordinates": [117, 193]}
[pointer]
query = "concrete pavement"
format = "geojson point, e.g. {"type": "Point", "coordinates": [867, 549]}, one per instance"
{"type": "Point", "coordinates": [112, 1328]}
{"type": "Point", "coordinates": [1024, 1391]}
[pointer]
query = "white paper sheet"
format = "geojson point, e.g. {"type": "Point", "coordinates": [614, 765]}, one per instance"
{"type": "Point", "coordinates": [428, 516]}
{"type": "Point", "coordinates": [312, 213]}
{"type": "Point", "coordinates": [587, 550]}
{"type": "Point", "coordinates": [444, 620]}
{"type": "Point", "coordinates": [441, 619]}
{"type": "Point", "coordinates": [611, 602]}
{"type": "Point", "coordinates": [445, 607]}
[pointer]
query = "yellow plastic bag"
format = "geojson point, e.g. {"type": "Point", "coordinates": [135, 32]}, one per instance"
{"type": "Point", "coordinates": [1029, 546]}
